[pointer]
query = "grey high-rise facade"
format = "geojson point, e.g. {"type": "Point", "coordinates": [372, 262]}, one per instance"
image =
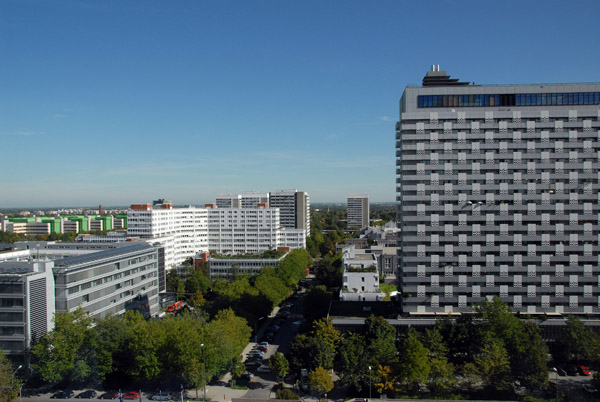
{"type": "Point", "coordinates": [498, 195]}
{"type": "Point", "coordinates": [294, 208]}
{"type": "Point", "coordinates": [357, 211]}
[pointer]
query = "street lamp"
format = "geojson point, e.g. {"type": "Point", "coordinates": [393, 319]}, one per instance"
{"type": "Point", "coordinates": [20, 385]}
{"type": "Point", "coordinates": [204, 374]}
{"type": "Point", "coordinates": [369, 382]}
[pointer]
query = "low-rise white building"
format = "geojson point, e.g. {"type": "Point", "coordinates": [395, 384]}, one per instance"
{"type": "Point", "coordinates": [360, 278]}
{"type": "Point", "coordinates": [224, 266]}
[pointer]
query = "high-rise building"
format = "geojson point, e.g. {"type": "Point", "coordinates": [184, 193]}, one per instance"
{"type": "Point", "coordinates": [252, 199]}
{"type": "Point", "coordinates": [357, 210]}
{"type": "Point", "coordinates": [228, 200]}
{"type": "Point", "coordinates": [498, 195]}
{"type": "Point", "coordinates": [294, 208]}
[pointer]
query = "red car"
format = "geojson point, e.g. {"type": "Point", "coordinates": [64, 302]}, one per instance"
{"type": "Point", "coordinates": [131, 395]}
{"type": "Point", "coordinates": [583, 370]}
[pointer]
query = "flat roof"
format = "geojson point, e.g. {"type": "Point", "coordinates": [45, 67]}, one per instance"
{"type": "Point", "coordinates": [103, 254]}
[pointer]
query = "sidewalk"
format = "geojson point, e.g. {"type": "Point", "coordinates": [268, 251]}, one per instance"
{"type": "Point", "coordinates": [217, 393]}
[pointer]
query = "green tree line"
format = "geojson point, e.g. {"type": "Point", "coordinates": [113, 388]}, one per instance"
{"type": "Point", "coordinates": [126, 351]}
{"type": "Point", "coordinates": [487, 354]}
{"type": "Point", "coordinates": [249, 296]}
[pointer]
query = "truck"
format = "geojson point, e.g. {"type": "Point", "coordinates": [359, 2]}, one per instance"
{"type": "Point", "coordinates": [171, 308]}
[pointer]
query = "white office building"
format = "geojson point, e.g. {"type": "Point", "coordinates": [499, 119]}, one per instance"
{"type": "Point", "coordinates": [185, 232]}
{"type": "Point", "coordinates": [182, 231]}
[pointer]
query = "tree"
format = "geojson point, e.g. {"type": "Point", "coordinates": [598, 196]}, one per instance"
{"type": "Point", "coordinates": [527, 352]}
{"type": "Point", "coordinates": [324, 330]}
{"type": "Point", "coordinates": [173, 281]}
{"type": "Point", "coordinates": [441, 378]}
{"type": "Point", "coordinates": [386, 380]}
{"type": "Point", "coordinates": [66, 353]}
{"type": "Point", "coordinates": [320, 381]}
{"type": "Point", "coordinates": [279, 365]}
{"type": "Point", "coordinates": [381, 341]}
{"type": "Point", "coordinates": [237, 368]}
{"type": "Point", "coordinates": [316, 303]}
{"type": "Point", "coordinates": [577, 343]}
{"type": "Point", "coordinates": [9, 386]}
{"type": "Point", "coordinates": [288, 394]}
{"type": "Point", "coordinates": [491, 366]}
{"type": "Point", "coordinates": [197, 282]}
{"type": "Point", "coordinates": [414, 361]}
{"type": "Point", "coordinates": [352, 361]}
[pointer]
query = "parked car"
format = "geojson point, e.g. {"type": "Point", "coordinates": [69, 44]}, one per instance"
{"type": "Point", "coordinates": [571, 370]}
{"type": "Point", "coordinates": [264, 344]}
{"type": "Point", "coordinates": [90, 393]}
{"type": "Point", "coordinates": [262, 349]}
{"type": "Point", "coordinates": [590, 388]}
{"type": "Point", "coordinates": [131, 395]}
{"type": "Point", "coordinates": [63, 395]}
{"type": "Point", "coordinates": [163, 396]}
{"type": "Point", "coordinates": [252, 365]}
{"type": "Point", "coordinates": [264, 369]}
{"type": "Point", "coordinates": [109, 395]}
{"type": "Point", "coordinates": [247, 376]}
{"type": "Point", "coordinates": [583, 370]}
{"type": "Point", "coordinates": [276, 328]}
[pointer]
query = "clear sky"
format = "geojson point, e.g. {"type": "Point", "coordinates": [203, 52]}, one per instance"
{"type": "Point", "coordinates": [118, 102]}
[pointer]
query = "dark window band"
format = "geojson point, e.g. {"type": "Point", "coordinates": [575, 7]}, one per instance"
{"type": "Point", "coordinates": [548, 99]}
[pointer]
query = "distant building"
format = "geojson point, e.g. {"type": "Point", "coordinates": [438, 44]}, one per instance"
{"type": "Point", "coordinates": [294, 208]}
{"type": "Point", "coordinates": [226, 266]}
{"type": "Point", "coordinates": [182, 231]}
{"type": "Point", "coordinates": [185, 232]}
{"type": "Point", "coordinates": [252, 199]}
{"type": "Point", "coordinates": [357, 211]}
{"type": "Point", "coordinates": [228, 201]}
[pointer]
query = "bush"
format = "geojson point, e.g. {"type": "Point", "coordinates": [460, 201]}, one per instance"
{"type": "Point", "coordinates": [287, 393]}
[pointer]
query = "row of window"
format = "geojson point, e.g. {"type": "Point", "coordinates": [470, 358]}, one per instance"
{"type": "Point", "coordinates": [542, 99]}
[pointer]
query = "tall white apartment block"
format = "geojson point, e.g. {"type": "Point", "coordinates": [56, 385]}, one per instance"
{"type": "Point", "coordinates": [183, 231]}
{"type": "Point", "coordinates": [498, 195]}
{"type": "Point", "coordinates": [294, 208]}
{"type": "Point", "coordinates": [242, 230]}
{"type": "Point", "coordinates": [357, 210]}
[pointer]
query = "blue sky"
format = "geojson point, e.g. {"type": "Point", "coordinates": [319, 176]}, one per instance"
{"type": "Point", "coordinates": [118, 102]}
